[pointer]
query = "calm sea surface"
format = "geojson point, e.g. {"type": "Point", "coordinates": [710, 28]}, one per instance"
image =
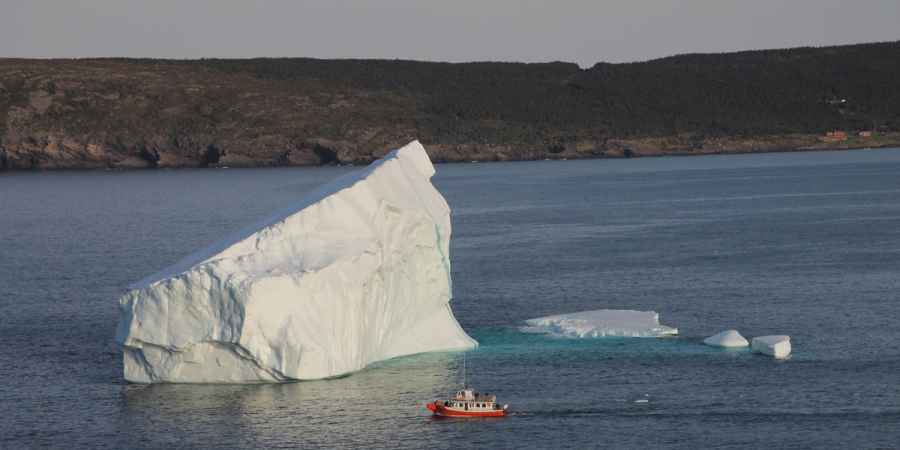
{"type": "Point", "coordinates": [806, 244]}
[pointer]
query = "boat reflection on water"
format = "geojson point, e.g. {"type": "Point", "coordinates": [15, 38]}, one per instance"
{"type": "Point", "coordinates": [363, 409]}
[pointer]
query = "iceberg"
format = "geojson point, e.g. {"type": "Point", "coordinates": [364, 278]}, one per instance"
{"type": "Point", "coordinates": [777, 346]}
{"type": "Point", "coordinates": [355, 273]}
{"type": "Point", "coordinates": [600, 323]}
{"type": "Point", "coordinates": [727, 339]}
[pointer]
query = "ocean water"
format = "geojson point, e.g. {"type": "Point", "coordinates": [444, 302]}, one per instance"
{"type": "Point", "coordinates": [805, 244]}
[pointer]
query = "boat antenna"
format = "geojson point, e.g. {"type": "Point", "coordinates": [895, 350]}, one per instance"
{"type": "Point", "coordinates": [465, 385]}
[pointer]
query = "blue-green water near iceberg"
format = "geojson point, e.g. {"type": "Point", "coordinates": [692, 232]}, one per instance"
{"type": "Point", "coordinates": [806, 244]}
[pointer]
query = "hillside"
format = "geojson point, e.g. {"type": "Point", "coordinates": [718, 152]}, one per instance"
{"type": "Point", "coordinates": [129, 113]}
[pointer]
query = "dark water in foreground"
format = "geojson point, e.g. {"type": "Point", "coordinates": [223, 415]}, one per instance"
{"type": "Point", "coordinates": [805, 244]}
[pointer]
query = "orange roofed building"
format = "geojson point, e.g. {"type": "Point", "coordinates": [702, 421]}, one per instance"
{"type": "Point", "coordinates": [835, 136]}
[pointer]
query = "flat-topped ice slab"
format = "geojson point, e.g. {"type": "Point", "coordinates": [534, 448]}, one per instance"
{"type": "Point", "coordinates": [727, 339]}
{"type": "Point", "coordinates": [777, 346]}
{"type": "Point", "coordinates": [600, 323]}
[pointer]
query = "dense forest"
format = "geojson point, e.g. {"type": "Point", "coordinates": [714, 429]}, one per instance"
{"type": "Point", "coordinates": [300, 111]}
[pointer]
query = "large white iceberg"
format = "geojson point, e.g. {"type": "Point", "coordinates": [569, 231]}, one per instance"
{"type": "Point", "coordinates": [601, 322]}
{"type": "Point", "coordinates": [355, 273]}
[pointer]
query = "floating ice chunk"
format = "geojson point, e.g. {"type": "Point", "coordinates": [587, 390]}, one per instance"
{"type": "Point", "coordinates": [778, 346]}
{"type": "Point", "coordinates": [727, 338]}
{"type": "Point", "coordinates": [355, 273]}
{"type": "Point", "coordinates": [601, 322]}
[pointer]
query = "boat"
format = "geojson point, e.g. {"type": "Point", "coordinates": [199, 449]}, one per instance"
{"type": "Point", "coordinates": [468, 403]}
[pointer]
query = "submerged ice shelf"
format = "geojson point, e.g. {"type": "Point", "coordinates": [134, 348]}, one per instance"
{"type": "Point", "coordinates": [355, 273]}
{"type": "Point", "coordinates": [601, 322]}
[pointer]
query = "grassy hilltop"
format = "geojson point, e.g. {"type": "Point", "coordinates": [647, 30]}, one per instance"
{"type": "Point", "coordinates": [97, 113]}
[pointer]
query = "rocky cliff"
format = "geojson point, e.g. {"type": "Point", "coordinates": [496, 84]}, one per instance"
{"type": "Point", "coordinates": [134, 113]}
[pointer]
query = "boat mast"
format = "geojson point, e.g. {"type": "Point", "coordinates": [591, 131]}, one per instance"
{"type": "Point", "coordinates": [465, 385]}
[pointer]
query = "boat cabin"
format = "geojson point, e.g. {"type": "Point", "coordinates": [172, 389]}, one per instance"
{"type": "Point", "coordinates": [471, 400]}
{"type": "Point", "coordinates": [468, 403]}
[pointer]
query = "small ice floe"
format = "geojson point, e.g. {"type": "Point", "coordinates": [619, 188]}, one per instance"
{"type": "Point", "coordinates": [777, 346]}
{"type": "Point", "coordinates": [600, 323]}
{"type": "Point", "coordinates": [727, 339]}
{"type": "Point", "coordinates": [643, 400]}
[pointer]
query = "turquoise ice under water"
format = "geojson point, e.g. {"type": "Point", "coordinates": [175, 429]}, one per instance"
{"type": "Point", "coordinates": [804, 244]}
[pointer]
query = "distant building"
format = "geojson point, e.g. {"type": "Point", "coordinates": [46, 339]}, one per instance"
{"type": "Point", "coordinates": [865, 133]}
{"type": "Point", "coordinates": [835, 136]}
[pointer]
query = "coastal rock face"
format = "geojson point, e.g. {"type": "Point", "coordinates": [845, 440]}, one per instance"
{"type": "Point", "coordinates": [355, 273]}
{"type": "Point", "coordinates": [139, 113]}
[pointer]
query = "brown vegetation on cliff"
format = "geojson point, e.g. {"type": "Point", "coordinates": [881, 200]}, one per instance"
{"type": "Point", "coordinates": [130, 113]}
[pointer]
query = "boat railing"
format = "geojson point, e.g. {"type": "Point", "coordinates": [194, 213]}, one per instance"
{"type": "Point", "coordinates": [478, 398]}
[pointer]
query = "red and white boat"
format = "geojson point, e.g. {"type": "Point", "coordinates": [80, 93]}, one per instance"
{"type": "Point", "coordinates": [468, 403]}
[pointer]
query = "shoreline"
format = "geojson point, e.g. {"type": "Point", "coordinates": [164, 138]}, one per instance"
{"type": "Point", "coordinates": [893, 142]}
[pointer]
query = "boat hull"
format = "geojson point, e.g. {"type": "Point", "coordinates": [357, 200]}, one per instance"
{"type": "Point", "coordinates": [442, 411]}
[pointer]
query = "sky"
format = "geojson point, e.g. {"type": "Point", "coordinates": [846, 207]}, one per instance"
{"type": "Point", "coordinates": [584, 32]}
